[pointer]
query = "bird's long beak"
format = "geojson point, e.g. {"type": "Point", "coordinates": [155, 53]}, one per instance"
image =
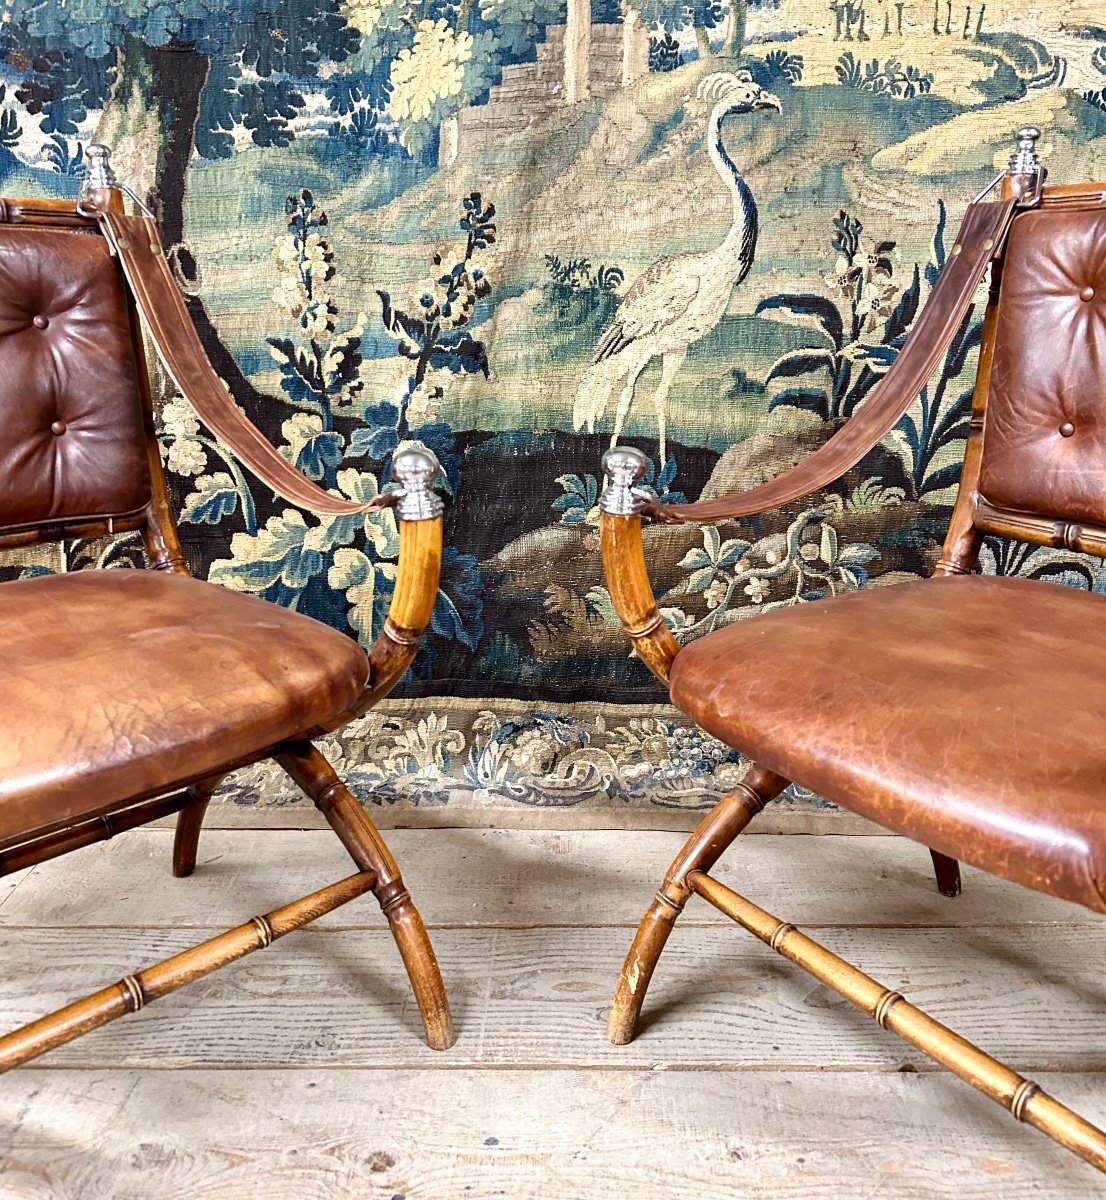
{"type": "Point", "coordinates": [768, 100]}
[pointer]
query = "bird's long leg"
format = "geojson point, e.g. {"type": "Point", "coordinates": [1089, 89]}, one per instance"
{"type": "Point", "coordinates": [671, 364]}
{"type": "Point", "coordinates": [626, 397]}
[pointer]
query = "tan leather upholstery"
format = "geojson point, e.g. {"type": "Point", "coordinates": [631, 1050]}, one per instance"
{"type": "Point", "coordinates": [73, 443]}
{"type": "Point", "coordinates": [968, 713]}
{"type": "Point", "coordinates": [1044, 446]}
{"type": "Point", "coordinates": [127, 696]}
{"type": "Point", "coordinates": [123, 683]}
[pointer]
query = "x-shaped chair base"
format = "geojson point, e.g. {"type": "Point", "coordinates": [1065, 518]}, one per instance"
{"type": "Point", "coordinates": [377, 873]}
{"type": "Point", "coordinates": [688, 875]}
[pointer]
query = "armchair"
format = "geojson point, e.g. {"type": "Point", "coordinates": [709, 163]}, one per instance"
{"type": "Point", "coordinates": [130, 694]}
{"type": "Point", "coordinates": [964, 711]}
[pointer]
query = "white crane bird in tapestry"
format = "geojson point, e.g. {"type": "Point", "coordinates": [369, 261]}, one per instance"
{"type": "Point", "coordinates": [680, 299]}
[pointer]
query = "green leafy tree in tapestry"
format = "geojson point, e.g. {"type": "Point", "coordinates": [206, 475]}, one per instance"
{"type": "Point", "coordinates": [175, 79]}
{"type": "Point", "coordinates": [419, 63]}
{"type": "Point", "coordinates": [341, 569]}
{"type": "Point", "coordinates": [703, 17]}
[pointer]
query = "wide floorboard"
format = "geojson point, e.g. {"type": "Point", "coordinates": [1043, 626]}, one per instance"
{"type": "Point", "coordinates": [299, 1072]}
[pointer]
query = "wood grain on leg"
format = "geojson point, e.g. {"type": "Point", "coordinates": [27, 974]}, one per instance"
{"type": "Point", "coordinates": [367, 848]}
{"type": "Point", "coordinates": [190, 820]}
{"type": "Point", "coordinates": [701, 851]}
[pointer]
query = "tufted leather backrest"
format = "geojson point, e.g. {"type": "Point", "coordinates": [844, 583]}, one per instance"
{"type": "Point", "coordinates": [1044, 440]}
{"type": "Point", "coordinates": [73, 443]}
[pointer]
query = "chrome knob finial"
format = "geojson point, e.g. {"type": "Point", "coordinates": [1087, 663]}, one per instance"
{"type": "Point", "coordinates": [414, 470]}
{"type": "Point", "coordinates": [98, 172]}
{"type": "Point", "coordinates": [1024, 163]}
{"type": "Point", "coordinates": [623, 466]}
{"type": "Point", "coordinates": [97, 176]}
{"type": "Point", "coordinates": [1024, 160]}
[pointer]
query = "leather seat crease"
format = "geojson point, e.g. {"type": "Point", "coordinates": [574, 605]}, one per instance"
{"type": "Point", "coordinates": [164, 677]}
{"type": "Point", "coordinates": [968, 713]}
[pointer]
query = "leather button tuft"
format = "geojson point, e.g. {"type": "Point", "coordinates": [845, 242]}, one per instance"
{"type": "Point", "coordinates": [1086, 294]}
{"type": "Point", "coordinates": [40, 322]}
{"type": "Point", "coordinates": [1067, 429]}
{"type": "Point", "coordinates": [58, 428]}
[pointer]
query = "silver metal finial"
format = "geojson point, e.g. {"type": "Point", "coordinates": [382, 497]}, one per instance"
{"type": "Point", "coordinates": [97, 167]}
{"type": "Point", "coordinates": [623, 466]}
{"type": "Point", "coordinates": [414, 470]}
{"type": "Point", "coordinates": [97, 174]}
{"type": "Point", "coordinates": [1024, 160]}
{"type": "Point", "coordinates": [1025, 163]}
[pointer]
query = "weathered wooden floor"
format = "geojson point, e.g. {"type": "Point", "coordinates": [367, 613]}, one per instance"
{"type": "Point", "coordinates": [299, 1072]}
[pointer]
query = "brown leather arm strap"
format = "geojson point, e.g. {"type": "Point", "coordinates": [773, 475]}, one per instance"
{"type": "Point", "coordinates": [178, 346]}
{"type": "Point", "coordinates": [980, 239]}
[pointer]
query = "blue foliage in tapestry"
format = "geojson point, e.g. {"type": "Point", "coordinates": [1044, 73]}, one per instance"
{"type": "Point", "coordinates": [342, 569]}
{"type": "Point", "coordinates": [861, 320]}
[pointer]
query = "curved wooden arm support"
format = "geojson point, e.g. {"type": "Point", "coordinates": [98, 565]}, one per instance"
{"type": "Point", "coordinates": [416, 590]}
{"type": "Point", "coordinates": [632, 593]}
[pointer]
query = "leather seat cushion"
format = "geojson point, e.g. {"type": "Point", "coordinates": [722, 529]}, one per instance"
{"type": "Point", "coordinates": [967, 713]}
{"type": "Point", "coordinates": [121, 683]}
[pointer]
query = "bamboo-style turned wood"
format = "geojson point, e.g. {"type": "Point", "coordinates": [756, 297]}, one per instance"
{"type": "Point", "coordinates": [147, 290]}
{"type": "Point", "coordinates": [1043, 531]}
{"type": "Point", "coordinates": [136, 991]}
{"type": "Point", "coordinates": [963, 539]}
{"type": "Point", "coordinates": [190, 819]}
{"type": "Point", "coordinates": [703, 849]}
{"type": "Point", "coordinates": [367, 848]}
{"type": "Point", "coordinates": [71, 530]}
{"type": "Point", "coordinates": [87, 833]}
{"type": "Point", "coordinates": [632, 594]}
{"type": "Point", "coordinates": [413, 598]}
{"type": "Point", "coordinates": [1023, 1098]}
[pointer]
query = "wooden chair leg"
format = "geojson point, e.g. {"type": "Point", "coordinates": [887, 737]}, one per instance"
{"type": "Point", "coordinates": [701, 851]}
{"type": "Point", "coordinates": [306, 765]}
{"type": "Point", "coordinates": [947, 871]}
{"type": "Point", "coordinates": [189, 821]}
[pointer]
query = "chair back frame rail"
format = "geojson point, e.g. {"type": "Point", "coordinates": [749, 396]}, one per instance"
{"type": "Point", "coordinates": [622, 509]}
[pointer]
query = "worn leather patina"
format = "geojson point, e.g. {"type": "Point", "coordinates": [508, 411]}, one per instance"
{"type": "Point", "coordinates": [965, 711]}
{"type": "Point", "coordinates": [129, 695]}
{"type": "Point", "coordinates": [950, 710]}
{"type": "Point", "coordinates": [73, 444]}
{"type": "Point", "coordinates": [1045, 445]}
{"type": "Point", "coordinates": [138, 652]}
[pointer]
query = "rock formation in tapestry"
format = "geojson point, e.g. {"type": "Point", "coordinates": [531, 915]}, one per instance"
{"type": "Point", "coordinates": [514, 230]}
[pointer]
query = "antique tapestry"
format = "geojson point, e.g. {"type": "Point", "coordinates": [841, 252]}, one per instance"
{"type": "Point", "coordinates": [512, 231]}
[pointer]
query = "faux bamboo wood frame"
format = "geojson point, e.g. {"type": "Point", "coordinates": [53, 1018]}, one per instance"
{"type": "Point", "coordinates": [633, 598]}
{"type": "Point", "coordinates": [416, 585]}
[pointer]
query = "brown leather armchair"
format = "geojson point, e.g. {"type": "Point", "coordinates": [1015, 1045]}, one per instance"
{"type": "Point", "coordinates": [967, 712]}
{"type": "Point", "coordinates": [129, 694]}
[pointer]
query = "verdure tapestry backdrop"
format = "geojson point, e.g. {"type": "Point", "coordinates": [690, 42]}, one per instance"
{"type": "Point", "coordinates": [509, 231]}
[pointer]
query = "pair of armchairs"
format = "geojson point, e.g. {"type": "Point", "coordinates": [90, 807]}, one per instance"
{"type": "Point", "coordinates": [966, 712]}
